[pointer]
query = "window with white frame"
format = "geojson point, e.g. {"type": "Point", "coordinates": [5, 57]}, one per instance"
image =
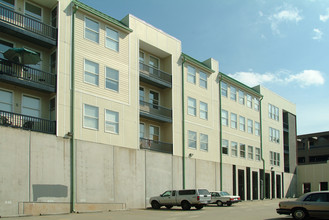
{"type": "Point", "coordinates": [256, 104]}
{"type": "Point", "coordinates": [6, 101]}
{"type": "Point", "coordinates": [112, 79]}
{"type": "Point", "coordinates": [203, 80]}
{"type": "Point", "coordinates": [249, 101]}
{"type": "Point", "coordinates": [250, 152]}
{"type": "Point", "coordinates": [90, 116]}
{"type": "Point", "coordinates": [111, 121]}
{"type": "Point", "coordinates": [234, 149]}
{"type": "Point", "coordinates": [154, 99]}
{"type": "Point", "coordinates": [250, 126]}
{"type": "Point", "coordinates": [234, 121]}
{"type": "Point", "coordinates": [275, 158]}
{"type": "Point", "coordinates": [33, 11]}
{"type": "Point", "coordinates": [257, 128]}
{"type": "Point", "coordinates": [112, 39]}
{"type": "Point", "coordinates": [242, 150]}
{"type": "Point", "coordinates": [224, 117]}
{"type": "Point", "coordinates": [192, 138]}
{"type": "Point", "coordinates": [224, 89]}
{"type": "Point", "coordinates": [204, 142]}
{"type": "Point", "coordinates": [91, 72]}
{"type": "Point", "coordinates": [141, 57]}
{"type": "Point", "coordinates": [233, 93]}
{"type": "Point", "coordinates": [241, 97]}
{"type": "Point", "coordinates": [225, 146]}
{"type": "Point", "coordinates": [191, 74]}
{"type": "Point", "coordinates": [242, 122]}
{"type": "Point", "coordinates": [141, 130]}
{"type": "Point", "coordinates": [10, 3]}
{"type": "Point", "coordinates": [91, 30]}
{"type": "Point", "coordinates": [141, 96]}
{"type": "Point", "coordinates": [191, 109]}
{"type": "Point", "coordinates": [257, 154]}
{"type": "Point", "coordinates": [154, 133]}
{"type": "Point", "coordinates": [154, 64]}
{"type": "Point", "coordinates": [273, 112]}
{"type": "Point", "coordinates": [31, 106]}
{"type": "Point", "coordinates": [274, 135]}
{"type": "Point", "coordinates": [203, 110]}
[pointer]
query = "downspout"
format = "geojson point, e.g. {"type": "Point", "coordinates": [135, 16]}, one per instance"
{"type": "Point", "coordinates": [220, 134]}
{"type": "Point", "coordinates": [183, 121]}
{"type": "Point", "coordinates": [73, 165]}
{"type": "Point", "coordinates": [261, 143]}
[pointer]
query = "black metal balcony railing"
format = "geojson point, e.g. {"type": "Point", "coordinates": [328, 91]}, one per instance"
{"type": "Point", "coordinates": [156, 146]}
{"type": "Point", "coordinates": [157, 74]}
{"type": "Point", "coordinates": [27, 23]}
{"type": "Point", "coordinates": [27, 73]}
{"type": "Point", "coordinates": [156, 111]}
{"type": "Point", "coordinates": [25, 122]}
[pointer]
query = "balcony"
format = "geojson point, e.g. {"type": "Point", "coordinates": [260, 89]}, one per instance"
{"type": "Point", "coordinates": [155, 112]}
{"type": "Point", "coordinates": [21, 75]}
{"type": "Point", "coordinates": [25, 122]}
{"type": "Point", "coordinates": [153, 76]}
{"type": "Point", "coordinates": [156, 146]}
{"type": "Point", "coordinates": [27, 28]}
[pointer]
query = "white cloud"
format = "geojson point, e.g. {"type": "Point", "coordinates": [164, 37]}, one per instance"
{"type": "Point", "coordinates": [317, 34]}
{"type": "Point", "coordinates": [325, 17]}
{"type": "Point", "coordinates": [286, 13]}
{"type": "Point", "coordinates": [302, 79]}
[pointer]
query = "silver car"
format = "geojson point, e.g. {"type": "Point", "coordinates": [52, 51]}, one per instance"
{"type": "Point", "coordinates": [313, 204]}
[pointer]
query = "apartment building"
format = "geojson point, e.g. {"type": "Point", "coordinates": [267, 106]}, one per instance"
{"type": "Point", "coordinates": [111, 112]}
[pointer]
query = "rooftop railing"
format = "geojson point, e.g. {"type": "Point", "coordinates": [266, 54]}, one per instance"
{"type": "Point", "coordinates": [10, 119]}
{"type": "Point", "coordinates": [27, 23]}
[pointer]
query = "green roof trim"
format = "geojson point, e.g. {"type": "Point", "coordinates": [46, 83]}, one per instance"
{"type": "Point", "coordinates": [101, 15]}
{"type": "Point", "coordinates": [197, 63]}
{"type": "Point", "coordinates": [240, 84]}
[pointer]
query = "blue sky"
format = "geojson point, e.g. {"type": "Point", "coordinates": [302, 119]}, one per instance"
{"type": "Point", "coordinates": [282, 45]}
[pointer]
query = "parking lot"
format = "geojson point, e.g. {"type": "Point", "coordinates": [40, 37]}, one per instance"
{"type": "Point", "coordinates": [248, 210]}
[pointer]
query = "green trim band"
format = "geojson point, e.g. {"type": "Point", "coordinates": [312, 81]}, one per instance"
{"type": "Point", "coordinates": [197, 63]}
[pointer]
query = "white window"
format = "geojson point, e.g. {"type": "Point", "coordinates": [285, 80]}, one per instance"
{"type": "Point", "coordinates": [33, 11]}
{"type": "Point", "coordinates": [141, 96]}
{"type": "Point", "coordinates": [90, 117]}
{"type": "Point", "coordinates": [141, 57]}
{"type": "Point", "coordinates": [91, 30]}
{"type": "Point", "coordinates": [203, 110]}
{"type": "Point", "coordinates": [91, 72]}
{"type": "Point", "coordinates": [6, 101]}
{"type": "Point", "coordinates": [233, 93]}
{"type": "Point", "coordinates": [203, 80]}
{"type": "Point", "coordinates": [242, 150]}
{"type": "Point", "coordinates": [234, 149]}
{"type": "Point", "coordinates": [112, 39]}
{"type": "Point", "coordinates": [225, 146]}
{"type": "Point", "coordinates": [31, 106]}
{"type": "Point", "coordinates": [154, 99]}
{"type": "Point", "coordinates": [112, 79]}
{"type": "Point", "coordinates": [249, 101]}
{"type": "Point", "coordinates": [141, 130]}
{"type": "Point", "coordinates": [191, 106]}
{"type": "Point", "coordinates": [241, 97]}
{"type": "Point", "coordinates": [191, 74]}
{"type": "Point", "coordinates": [273, 112]}
{"type": "Point", "coordinates": [257, 153]}
{"type": "Point", "coordinates": [10, 3]}
{"type": "Point", "coordinates": [204, 142]}
{"type": "Point", "coordinates": [192, 139]}
{"type": "Point", "coordinates": [256, 104]}
{"type": "Point", "coordinates": [274, 135]}
{"type": "Point", "coordinates": [154, 133]}
{"type": "Point", "coordinates": [112, 121]}
{"type": "Point", "coordinates": [250, 126]}
{"type": "Point", "coordinates": [250, 152]}
{"type": "Point", "coordinates": [234, 121]}
{"type": "Point", "coordinates": [257, 128]}
{"type": "Point", "coordinates": [224, 89]}
{"type": "Point", "coordinates": [242, 121]}
{"type": "Point", "coordinates": [224, 117]}
{"type": "Point", "coordinates": [274, 158]}
{"type": "Point", "coordinates": [154, 63]}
